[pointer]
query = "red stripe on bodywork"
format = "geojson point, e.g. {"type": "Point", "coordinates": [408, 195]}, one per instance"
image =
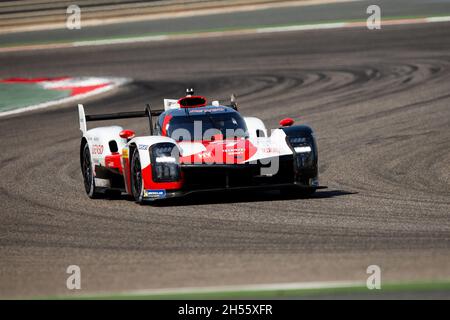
{"type": "Point", "coordinates": [126, 174]}
{"type": "Point", "coordinates": [147, 176]}
{"type": "Point", "coordinates": [232, 151]}
{"type": "Point", "coordinates": [113, 162]}
{"type": "Point", "coordinates": [164, 125]}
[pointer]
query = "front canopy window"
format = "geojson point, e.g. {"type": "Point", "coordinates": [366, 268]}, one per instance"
{"type": "Point", "coordinates": [207, 126]}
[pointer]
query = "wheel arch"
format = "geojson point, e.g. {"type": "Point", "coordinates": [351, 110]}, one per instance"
{"type": "Point", "coordinates": [256, 127]}
{"type": "Point", "coordinates": [143, 145]}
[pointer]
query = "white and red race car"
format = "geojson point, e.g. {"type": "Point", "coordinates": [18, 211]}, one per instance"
{"type": "Point", "coordinates": [194, 146]}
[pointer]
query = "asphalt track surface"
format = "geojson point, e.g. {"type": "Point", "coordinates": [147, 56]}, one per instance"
{"type": "Point", "coordinates": [379, 103]}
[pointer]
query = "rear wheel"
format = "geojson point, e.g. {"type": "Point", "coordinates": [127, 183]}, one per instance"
{"type": "Point", "coordinates": [136, 177]}
{"type": "Point", "coordinates": [88, 174]}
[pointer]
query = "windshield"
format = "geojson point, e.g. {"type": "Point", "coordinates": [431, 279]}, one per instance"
{"type": "Point", "coordinates": [207, 125]}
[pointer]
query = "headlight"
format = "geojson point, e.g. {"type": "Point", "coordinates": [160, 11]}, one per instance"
{"type": "Point", "coordinates": [301, 144]}
{"type": "Point", "coordinates": [294, 141]}
{"type": "Point", "coordinates": [162, 149]}
{"type": "Point", "coordinates": [164, 158]}
{"type": "Point", "coordinates": [302, 149]}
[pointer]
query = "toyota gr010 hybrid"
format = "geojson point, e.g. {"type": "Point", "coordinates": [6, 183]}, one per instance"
{"type": "Point", "coordinates": [194, 146]}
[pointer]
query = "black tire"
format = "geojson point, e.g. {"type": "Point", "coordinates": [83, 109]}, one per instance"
{"type": "Point", "coordinates": [88, 174]}
{"type": "Point", "coordinates": [136, 177]}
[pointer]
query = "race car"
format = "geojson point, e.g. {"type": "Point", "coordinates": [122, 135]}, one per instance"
{"type": "Point", "coordinates": [195, 146]}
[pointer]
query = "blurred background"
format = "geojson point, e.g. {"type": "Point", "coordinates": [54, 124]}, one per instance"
{"type": "Point", "coordinates": [377, 98]}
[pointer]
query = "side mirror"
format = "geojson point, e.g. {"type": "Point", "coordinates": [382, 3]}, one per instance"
{"type": "Point", "coordinates": [127, 134]}
{"type": "Point", "coordinates": [260, 133]}
{"type": "Point", "coordinates": [287, 122]}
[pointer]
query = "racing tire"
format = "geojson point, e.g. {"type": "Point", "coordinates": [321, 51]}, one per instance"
{"type": "Point", "coordinates": [88, 174]}
{"type": "Point", "coordinates": [137, 189]}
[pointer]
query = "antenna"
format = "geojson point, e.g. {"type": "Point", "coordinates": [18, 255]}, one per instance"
{"type": "Point", "coordinates": [233, 102]}
{"type": "Point", "coordinates": [189, 92]}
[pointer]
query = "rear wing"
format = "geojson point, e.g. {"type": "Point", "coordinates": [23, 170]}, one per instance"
{"type": "Point", "coordinates": [191, 101]}
{"type": "Point", "coordinates": [171, 104]}
{"type": "Point", "coordinates": [147, 113]}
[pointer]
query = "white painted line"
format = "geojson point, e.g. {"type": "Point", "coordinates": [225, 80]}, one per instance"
{"type": "Point", "coordinates": [302, 27]}
{"type": "Point", "coordinates": [120, 41]}
{"type": "Point", "coordinates": [243, 288]}
{"type": "Point", "coordinates": [116, 82]}
{"type": "Point", "coordinates": [438, 19]}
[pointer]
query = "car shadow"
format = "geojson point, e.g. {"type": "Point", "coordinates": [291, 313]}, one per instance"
{"type": "Point", "coordinates": [218, 197]}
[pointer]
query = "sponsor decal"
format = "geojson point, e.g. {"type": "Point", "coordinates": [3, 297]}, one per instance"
{"type": "Point", "coordinates": [207, 110]}
{"type": "Point", "coordinates": [97, 149]}
{"type": "Point", "coordinates": [270, 150]}
{"type": "Point", "coordinates": [143, 147]}
{"type": "Point", "coordinates": [265, 146]}
{"type": "Point", "coordinates": [204, 155]}
{"type": "Point", "coordinates": [235, 151]}
{"type": "Point", "coordinates": [220, 152]}
{"type": "Point", "coordinates": [125, 153]}
{"type": "Point", "coordinates": [155, 194]}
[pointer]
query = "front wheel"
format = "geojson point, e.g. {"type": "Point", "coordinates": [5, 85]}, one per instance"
{"type": "Point", "coordinates": [136, 177]}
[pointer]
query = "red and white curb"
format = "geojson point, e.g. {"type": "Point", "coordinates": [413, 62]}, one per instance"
{"type": "Point", "coordinates": [79, 88]}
